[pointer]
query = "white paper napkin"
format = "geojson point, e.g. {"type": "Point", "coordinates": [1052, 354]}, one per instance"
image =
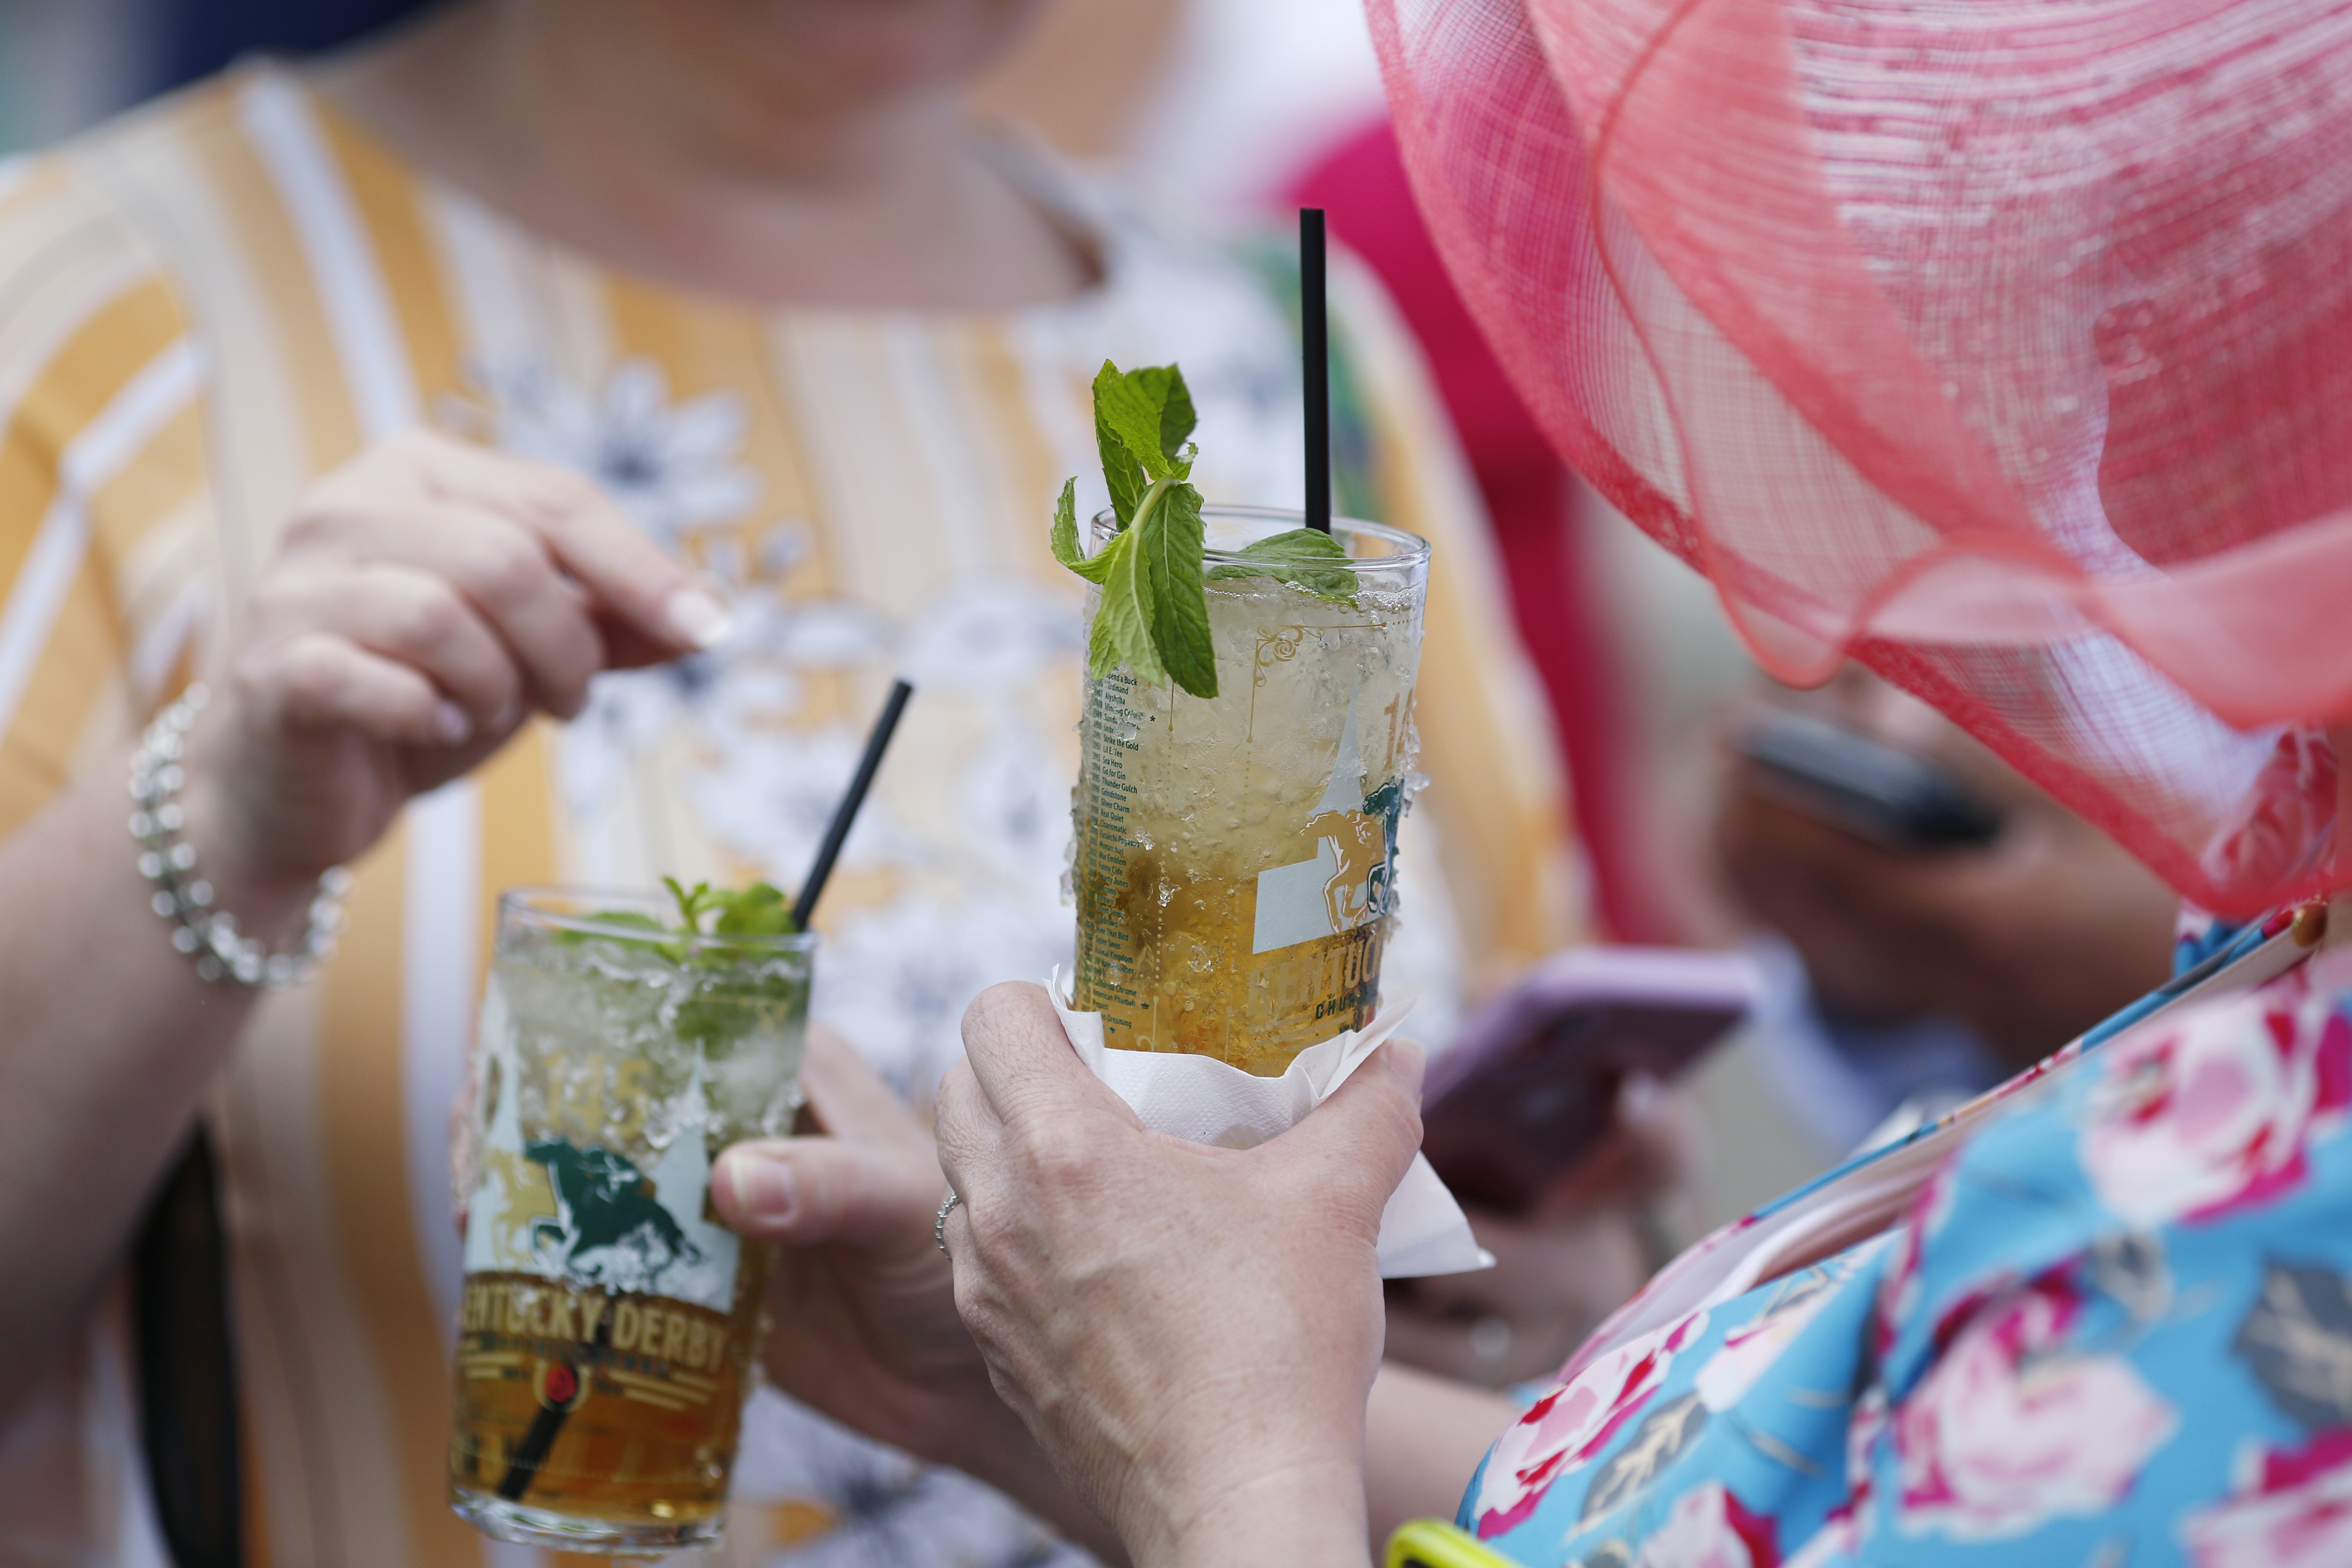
{"type": "Point", "coordinates": [1204, 1101]}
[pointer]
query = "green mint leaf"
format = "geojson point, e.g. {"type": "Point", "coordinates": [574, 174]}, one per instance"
{"type": "Point", "coordinates": [1122, 631]}
{"type": "Point", "coordinates": [758, 909]}
{"type": "Point", "coordinates": [1121, 472]}
{"type": "Point", "coordinates": [1296, 557]}
{"type": "Point", "coordinates": [1131, 409]}
{"type": "Point", "coordinates": [1153, 613]}
{"type": "Point", "coordinates": [1169, 537]}
{"type": "Point", "coordinates": [1065, 537]}
{"type": "Point", "coordinates": [691, 902]}
{"type": "Point", "coordinates": [1164, 384]}
{"type": "Point", "coordinates": [635, 920]}
{"type": "Point", "coordinates": [1299, 544]}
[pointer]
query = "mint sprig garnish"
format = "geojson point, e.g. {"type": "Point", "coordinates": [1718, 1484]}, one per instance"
{"type": "Point", "coordinates": [1154, 615]}
{"type": "Point", "coordinates": [758, 909]}
{"type": "Point", "coordinates": [704, 911]}
{"type": "Point", "coordinates": [729, 994]}
{"type": "Point", "coordinates": [1301, 557]}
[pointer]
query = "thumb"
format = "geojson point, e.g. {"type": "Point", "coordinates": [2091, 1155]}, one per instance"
{"type": "Point", "coordinates": [1359, 1143]}
{"type": "Point", "coordinates": [806, 1192]}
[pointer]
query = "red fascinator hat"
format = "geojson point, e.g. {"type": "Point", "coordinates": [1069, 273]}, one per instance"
{"type": "Point", "coordinates": [2004, 345]}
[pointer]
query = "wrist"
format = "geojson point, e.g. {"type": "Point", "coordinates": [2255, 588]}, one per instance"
{"type": "Point", "coordinates": [188, 894]}
{"type": "Point", "coordinates": [268, 903]}
{"type": "Point", "coordinates": [1303, 1515]}
{"type": "Point", "coordinates": [984, 1438]}
{"type": "Point", "coordinates": [992, 1444]}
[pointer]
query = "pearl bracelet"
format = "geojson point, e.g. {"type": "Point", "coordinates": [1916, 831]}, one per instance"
{"type": "Point", "coordinates": [206, 934]}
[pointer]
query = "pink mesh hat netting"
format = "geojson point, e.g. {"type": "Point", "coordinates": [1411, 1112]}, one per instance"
{"type": "Point", "coordinates": [2005, 345]}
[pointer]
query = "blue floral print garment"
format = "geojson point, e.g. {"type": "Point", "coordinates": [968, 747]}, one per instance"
{"type": "Point", "coordinates": [2114, 1332]}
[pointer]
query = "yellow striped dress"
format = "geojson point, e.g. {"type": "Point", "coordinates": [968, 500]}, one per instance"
{"type": "Point", "coordinates": [204, 307]}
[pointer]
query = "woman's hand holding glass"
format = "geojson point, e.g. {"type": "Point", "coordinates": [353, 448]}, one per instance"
{"type": "Point", "coordinates": [861, 1308]}
{"type": "Point", "coordinates": [1191, 1332]}
{"type": "Point", "coordinates": [426, 598]}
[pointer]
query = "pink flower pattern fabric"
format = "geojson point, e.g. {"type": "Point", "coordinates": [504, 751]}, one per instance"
{"type": "Point", "coordinates": [1564, 1428]}
{"type": "Point", "coordinates": [2011, 1427]}
{"type": "Point", "coordinates": [2115, 1329]}
{"type": "Point", "coordinates": [1707, 1527]}
{"type": "Point", "coordinates": [2291, 1510]}
{"type": "Point", "coordinates": [2215, 1112]}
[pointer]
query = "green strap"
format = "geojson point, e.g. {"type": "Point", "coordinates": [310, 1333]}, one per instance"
{"type": "Point", "coordinates": [1433, 1543]}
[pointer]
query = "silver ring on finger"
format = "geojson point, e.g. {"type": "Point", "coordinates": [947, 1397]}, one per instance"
{"type": "Point", "coordinates": [939, 1226]}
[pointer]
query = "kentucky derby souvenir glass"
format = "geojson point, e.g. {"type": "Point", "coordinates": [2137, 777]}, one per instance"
{"type": "Point", "coordinates": [608, 1322]}
{"type": "Point", "coordinates": [1236, 854]}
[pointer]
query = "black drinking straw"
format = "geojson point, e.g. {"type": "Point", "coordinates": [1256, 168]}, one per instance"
{"type": "Point", "coordinates": [845, 813]}
{"type": "Point", "coordinates": [1315, 354]}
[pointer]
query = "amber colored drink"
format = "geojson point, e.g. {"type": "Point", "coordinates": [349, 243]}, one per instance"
{"type": "Point", "coordinates": [1236, 855]}
{"type": "Point", "coordinates": [608, 1323]}
{"type": "Point", "coordinates": [643, 1392]}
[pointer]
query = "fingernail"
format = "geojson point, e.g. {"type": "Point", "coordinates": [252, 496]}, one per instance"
{"type": "Point", "coordinates": [699, 618]}
{"type": "Point", "coordinates": [764, 1190]}
{"type": "Point", "coordinates": [450, 724]}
